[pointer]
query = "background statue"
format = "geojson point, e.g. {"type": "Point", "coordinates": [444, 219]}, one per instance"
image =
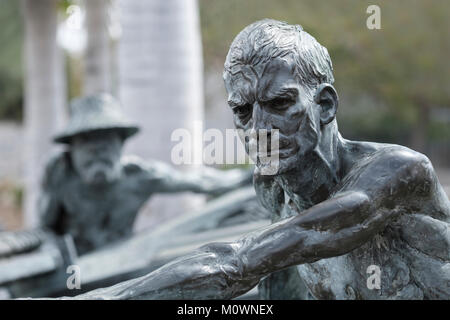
{"type": "Point", "coordinates": [338, 206]}
{"type": "Point", "coordinates": [93, 193]}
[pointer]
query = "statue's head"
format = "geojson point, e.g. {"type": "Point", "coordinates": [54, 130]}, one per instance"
{"type": "Point", "coordinates": [95, 135]}
{"type": "Point", "coordinates": [96, 156]}
{"type": "Point", "coordinates": [279, 77]}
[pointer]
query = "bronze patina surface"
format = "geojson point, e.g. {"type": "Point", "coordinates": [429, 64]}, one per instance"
{"type": "Point", "coordinates": [338, 206]}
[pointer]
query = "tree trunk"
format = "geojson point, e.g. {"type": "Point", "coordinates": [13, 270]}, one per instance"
{"type": "Point", "coordinates": [160, 81]}
{"type": "Point", "coordinates": [45, 94]}
{"type": "Point", "coordinates": [97, 71]}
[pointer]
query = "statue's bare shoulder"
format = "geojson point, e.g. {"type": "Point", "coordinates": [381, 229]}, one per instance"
{"type": "Point", "coordinates": [134, 167]}
{"type": "Point", "coordinates": [390, 169]}
{"type": "Point", "coordinates": [146, 176]}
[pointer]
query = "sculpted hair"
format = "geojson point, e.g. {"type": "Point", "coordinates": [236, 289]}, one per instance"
{"type": "Point", "coordinates": [267, 39]}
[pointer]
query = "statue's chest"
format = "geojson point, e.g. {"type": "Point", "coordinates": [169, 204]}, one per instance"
{"type": "Point", "coordinates": [377, 270]}
{"type": "Point", "coordinates": [99, 217]}
{"type": "Point", "coordinates": [95, 210]}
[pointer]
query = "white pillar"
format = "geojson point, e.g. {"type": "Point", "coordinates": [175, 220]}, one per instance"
{"type": "Point", "coordinates": [161, 81]}
{"type": "Point", "coordinates": [45, 95]}
{"type": "Point", "coordinates": [97, 62]}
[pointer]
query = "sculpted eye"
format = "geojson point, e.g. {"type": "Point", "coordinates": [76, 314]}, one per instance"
{"type": "Point", "coordinates": [280, 103]}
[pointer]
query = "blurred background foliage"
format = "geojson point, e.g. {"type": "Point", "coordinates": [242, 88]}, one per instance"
{"type": "Point", "coordinates": [393, 82]}
{"type": "Point", "coordinates": [11, 38]}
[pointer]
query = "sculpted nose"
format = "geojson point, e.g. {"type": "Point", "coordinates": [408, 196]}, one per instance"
{"type": "Point", "coordinates": [264, 138]}
{"type": "Point", "coordinates": [261, 119]}
{"type": "Point", "coordinates": [97, 148]}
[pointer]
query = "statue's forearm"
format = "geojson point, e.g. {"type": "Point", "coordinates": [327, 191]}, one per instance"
{"type": "Point", "coordinates": [211, 272]}
{"type": "Point", "coordinates": [329, 229]}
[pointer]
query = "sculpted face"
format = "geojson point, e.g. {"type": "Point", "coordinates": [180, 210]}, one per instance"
{"type": "Point", "coordinates": [272, 97]}
{"type": "Point", "coordinates": [96, 156]}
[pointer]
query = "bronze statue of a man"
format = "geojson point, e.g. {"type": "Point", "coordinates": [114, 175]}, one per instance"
{"type": "Point", "coordinates": [340, 207]}
{"type": "Point", "coordinates": [93, 193]}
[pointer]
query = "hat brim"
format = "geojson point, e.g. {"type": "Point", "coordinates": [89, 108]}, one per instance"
{"type": "Point", "coordinates": [125, 132]}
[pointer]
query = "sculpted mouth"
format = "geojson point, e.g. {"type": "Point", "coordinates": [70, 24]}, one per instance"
{"type": "Point", "coordinates": [287, 147]}
{"type": "Point", "coordinates": [287, 152]}
{"type": "Point", "coordinates": [282, 152]}
{"type": "Point", "coordinates": [100, 161]}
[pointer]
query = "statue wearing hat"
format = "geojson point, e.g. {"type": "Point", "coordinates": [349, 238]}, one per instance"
{"type": "Point", "coordinates": [93, 193]}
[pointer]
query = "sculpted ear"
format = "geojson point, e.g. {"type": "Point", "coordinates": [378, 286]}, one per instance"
{"type": "Point", "coordinates": [326, 96]}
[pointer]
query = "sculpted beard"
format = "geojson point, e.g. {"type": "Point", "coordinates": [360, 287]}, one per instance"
{"type": "Point", "coordinates": [96, 169]}
{"type": "Point", "coordinates": [100, 171]}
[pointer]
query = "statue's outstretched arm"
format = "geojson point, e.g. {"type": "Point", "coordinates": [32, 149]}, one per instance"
{"type": "Point", "coordinates": [164, 178]}
{"type": "Point", "coordinates": [227, 270]}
